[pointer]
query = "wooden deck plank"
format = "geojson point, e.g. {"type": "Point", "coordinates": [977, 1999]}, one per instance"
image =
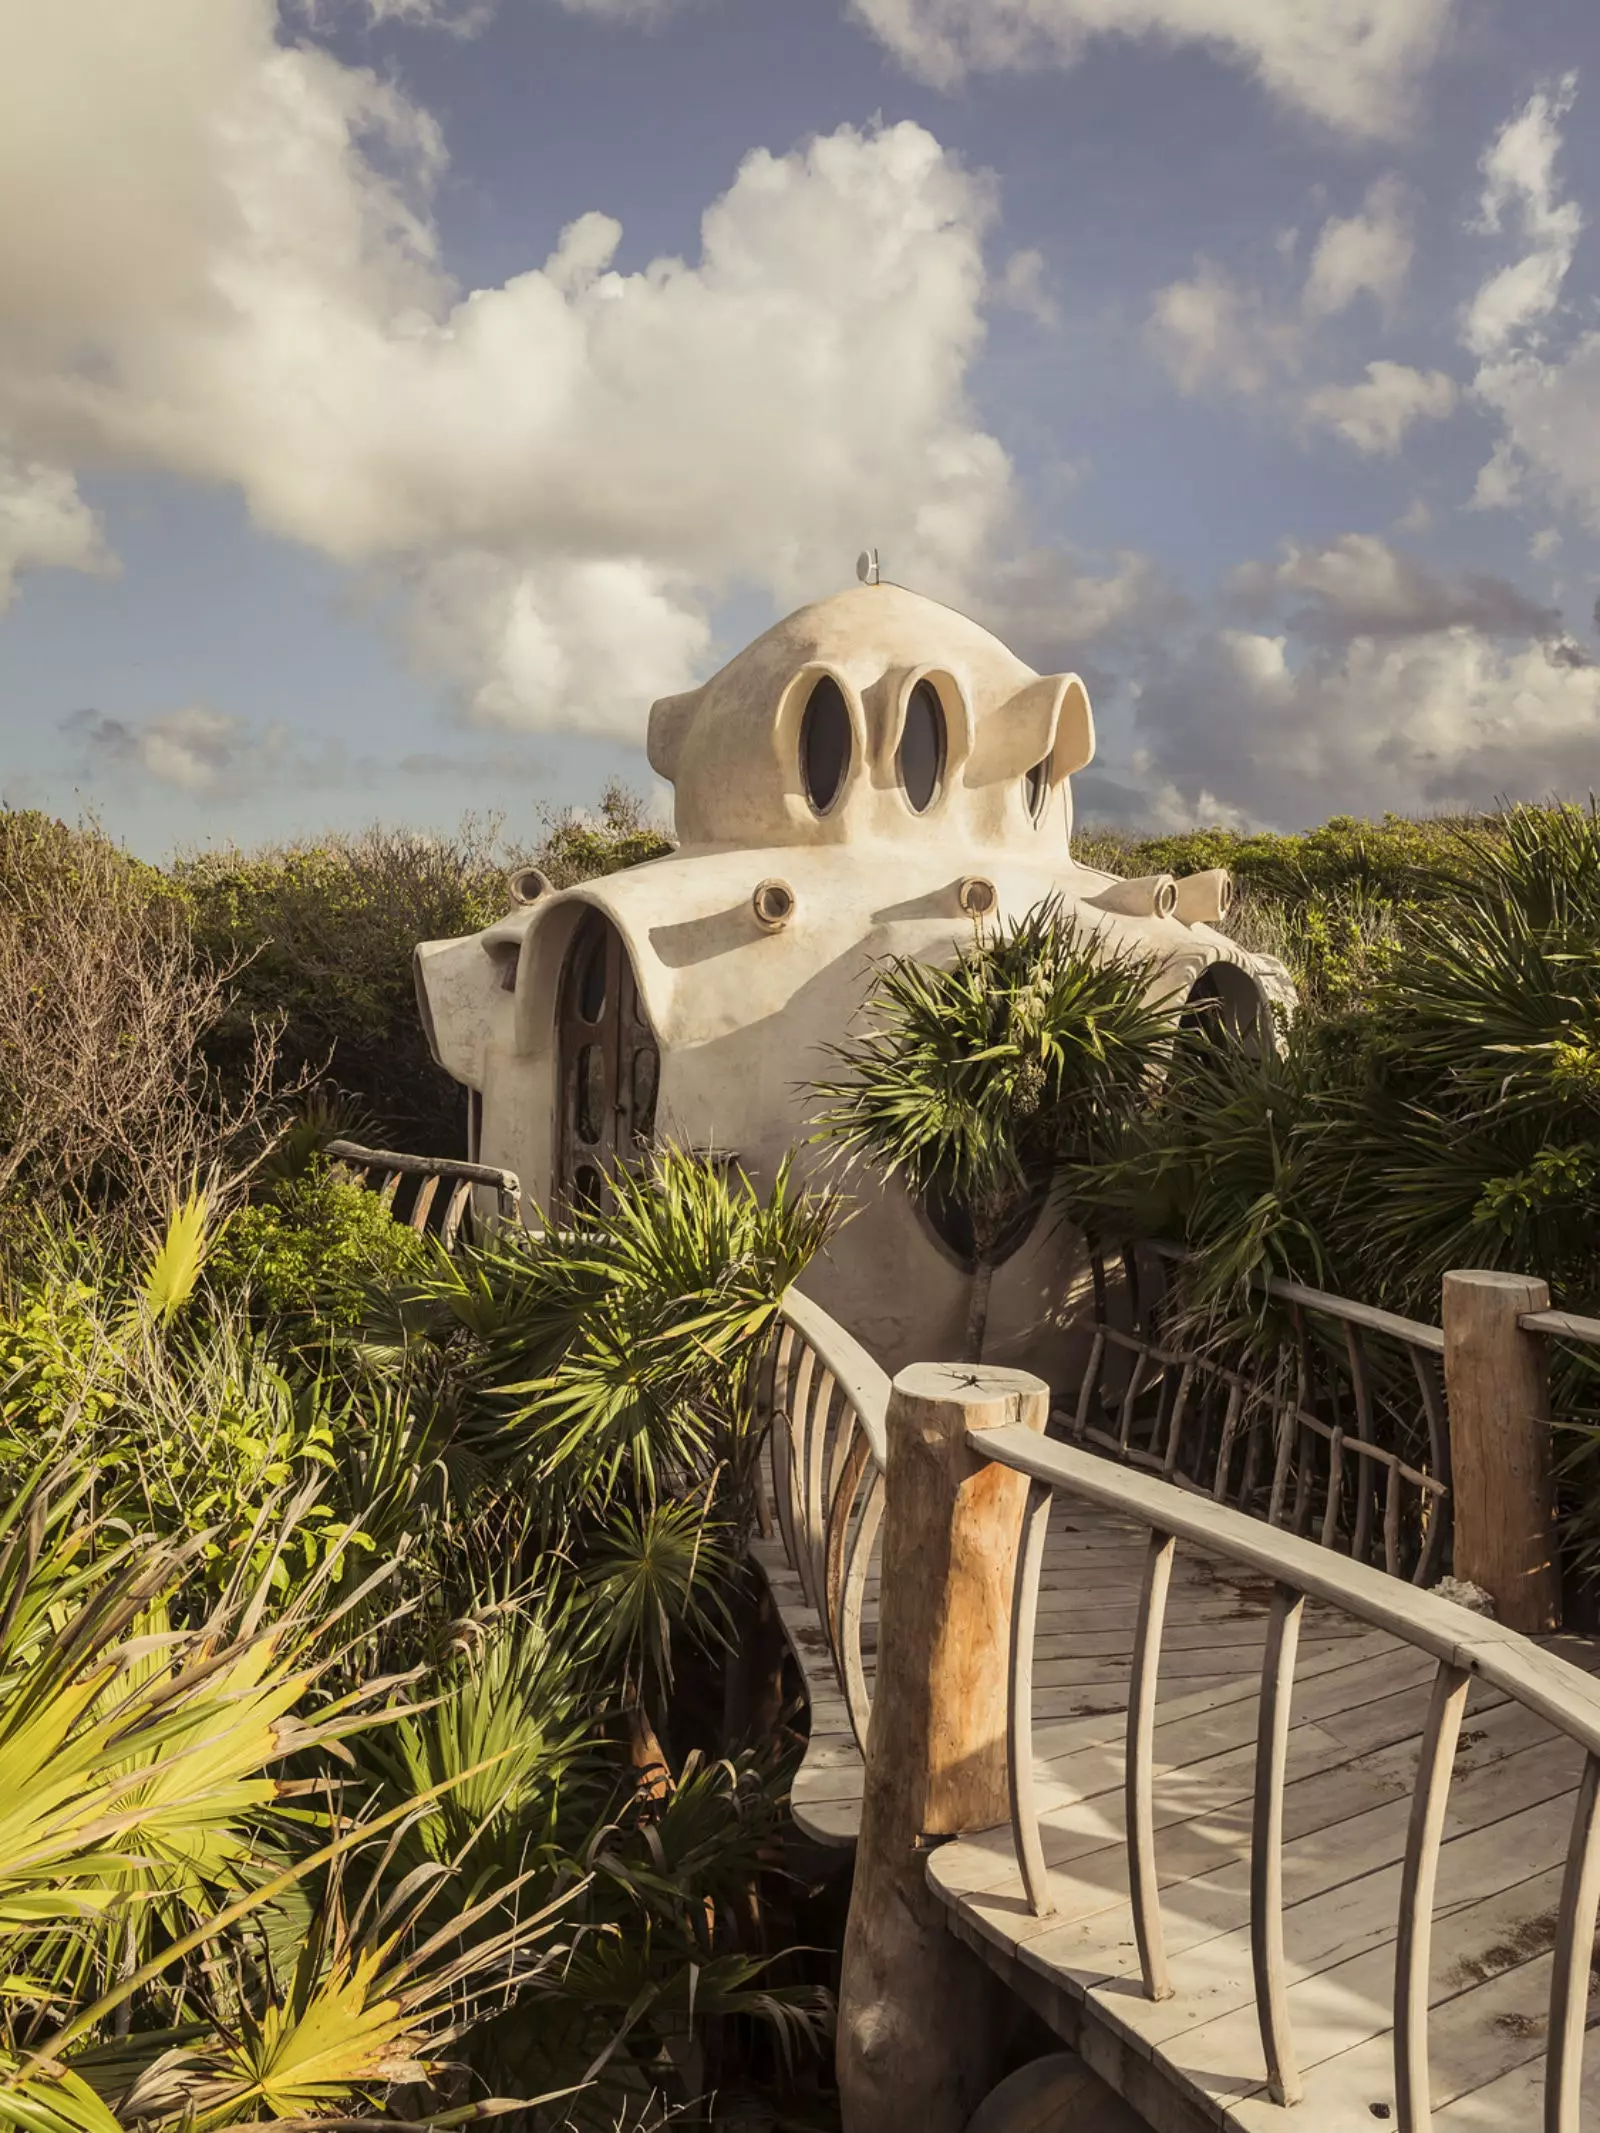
{"type": "Point", "coordinates": [1359, 1703]}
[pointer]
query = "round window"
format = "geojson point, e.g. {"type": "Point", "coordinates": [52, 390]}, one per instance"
{"type": "Point", "coordinates": [921, 757]}
{"type": "Point", "coordinates": [1036, 788]}
{"type": "Point", "coordinates": [825, 743]}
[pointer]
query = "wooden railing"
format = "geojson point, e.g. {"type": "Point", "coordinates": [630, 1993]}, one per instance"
{"type": "Point", "coordinates": [1336, 1425]}
{"type": "Point", "coordinates": [827, 1399]}
{"type": "Point", "coordinates": [1466, 1648]}
{"type": "Point", "coordinates": [392, 1168]}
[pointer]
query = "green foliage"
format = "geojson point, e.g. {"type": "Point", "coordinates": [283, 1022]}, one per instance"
{"type": "Point", "coordinates": [978, 1081]}
{"type": "Point", "coordinates": [352, 1725]}
{"type": "Point", "coordinates": [324, 932]}
{"type": "Point", "coordinates": [577, 847]}
{"type": "Point", "coordinates": [318, 1246]}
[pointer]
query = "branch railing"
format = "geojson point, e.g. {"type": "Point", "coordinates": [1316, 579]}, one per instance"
{"type": "Point", "coordinates": [1335, 1426]}
{"type": "Point", "coordinates": [826, 1399]}
{"type": "Point", "coordinates": [1466, 1648]}
{"type": "Point", "coordinates": [392, 1168]}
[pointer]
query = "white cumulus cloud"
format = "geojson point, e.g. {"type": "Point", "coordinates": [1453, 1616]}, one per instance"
{"type": "Point", "coordinates": [229, 271]}
{"type": "Point", "coordinates": [1369, 251]}
{"type": "Point", "coordinates": [1375, 414]}
{"type": "Point", "coordinates": [1355, 64]}
{"type": "Point", "coordinates": [46, 525]}
{"type": "Point", "coordinates": [1520, 193]}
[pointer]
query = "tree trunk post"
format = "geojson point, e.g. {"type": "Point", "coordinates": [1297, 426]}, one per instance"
{"type": "Point", "coordinates": [1501, 1465]}
{"type": "Point", "coordinates": [919, 2014]}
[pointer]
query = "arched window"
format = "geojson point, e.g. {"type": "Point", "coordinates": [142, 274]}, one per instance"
{"type": "Point", "coordinates": [922, 748]}
{"type": "Point", "coordinates": [1036, 789]}
{"type": "Point", "coordinates": [825, 744]}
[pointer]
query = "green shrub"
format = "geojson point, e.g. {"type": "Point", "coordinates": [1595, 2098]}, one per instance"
{"type": "Point", "coordinates": [316, 1248]}
{"type": "Point", "coordinates": [576, 847]}
{"type": "Point", "coordinates": [323, 933]}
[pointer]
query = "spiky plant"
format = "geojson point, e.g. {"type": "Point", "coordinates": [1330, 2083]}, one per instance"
{"type": "Point", "coordinates": [977, 1080]}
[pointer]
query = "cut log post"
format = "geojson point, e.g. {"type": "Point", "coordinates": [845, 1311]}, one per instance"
{"type": "Point", "coordinates": [1501, 1469]}
{"type": "Point", "coordinates": [920, 2017]}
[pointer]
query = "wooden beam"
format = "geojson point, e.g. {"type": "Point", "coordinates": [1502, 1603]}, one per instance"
{"type": "Point", "coordinates": [920, 2021]}
{"type": "Point", "coordinates": [1500, 1447]}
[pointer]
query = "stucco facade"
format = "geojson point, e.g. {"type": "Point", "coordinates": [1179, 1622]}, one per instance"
{"type": "Point", "coordinates": [862, 781]}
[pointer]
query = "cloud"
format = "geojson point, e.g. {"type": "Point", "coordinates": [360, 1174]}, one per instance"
{"type": "Point", "coordinates": [1353, 671]}
{"type": "Point", "coordinates": [196, 749]}
{"type": "Point", "coordinates": [1375, 415]}
{"type": "Point", "coordinates": [46, 525]}
{"type": "Point", "coordinates": [1520, 191]}
{"type": "Point", "coordinates": [1371, 251]}
{"type": "Point", "coordinates": [1214, 330]}
{"type": "Point", "coordinates": [1359, 586]}
{"type": "Point", "coordinates": [1442, 719]}
{"type": "Point", "coordinates": [1538, 371]}
{"type": "Point", "coordinates": [1355, 64]}
{"type": "Point", "coordinates": [230, 272]}
{"type": "Point", "coordinates": [1021, 286]}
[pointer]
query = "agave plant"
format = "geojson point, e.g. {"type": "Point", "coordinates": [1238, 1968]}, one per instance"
{"type": "Point", "coordinates": [978, 1080]}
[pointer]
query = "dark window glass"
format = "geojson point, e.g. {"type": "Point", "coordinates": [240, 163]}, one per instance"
{"type": "Point", "coordinates": [588, 1190]}
{"type": "Point", "coordinates": [591, 1093]}
{"type": "Point", "coordinates": [591, 985]}
{"type": "Point", "coordinates": [825, 743]}
{"type": "Point", "coordinates": [646, 1072]}
{"type": "Point", "coordinates": [921, 758]}
{"type": "Point", "coordinates": [1037, 787]}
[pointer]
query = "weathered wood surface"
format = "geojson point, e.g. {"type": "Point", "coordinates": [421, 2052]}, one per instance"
{"type": "Point", "coordinates": [919, 2021]}
{"type": "Point", "coordinates": [1501, 1446]}
{"type": "Point", "coordinates": [1357, 1719]}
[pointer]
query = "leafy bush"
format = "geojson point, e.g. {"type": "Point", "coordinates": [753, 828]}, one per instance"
{"type": "Point", "coordinates": [370, 1689]}
{"type": "Point", "coordinates": [318, 1245]}
{"type": "Point", "coordinates": [320, 937]}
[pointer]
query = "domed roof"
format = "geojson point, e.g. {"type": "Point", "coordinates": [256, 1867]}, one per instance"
{"type": "Point", "coordinates": [732, 747]}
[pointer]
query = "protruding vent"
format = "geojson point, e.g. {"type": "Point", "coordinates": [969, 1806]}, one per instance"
{"type": "Point", "coordinates": [1205, 899]}
{"type": "Point", "coordinates": [976, 896]}
{"type": "Point", "coordinates": [1150, 896]}
{"type": "Point", "coordinates": [528, 884]}
{"type": "Point", "coordinates": [773, 904]}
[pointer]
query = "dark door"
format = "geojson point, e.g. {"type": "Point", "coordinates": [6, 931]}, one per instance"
{"type": "Point", "coordinates": [609, 1067]}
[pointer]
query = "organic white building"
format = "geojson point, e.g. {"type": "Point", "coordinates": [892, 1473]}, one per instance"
{"type": "Point", "coordinates": [866, 779]}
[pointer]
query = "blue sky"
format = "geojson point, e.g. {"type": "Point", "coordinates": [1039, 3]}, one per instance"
{"type": "Point", "coordinates": [397, 395]}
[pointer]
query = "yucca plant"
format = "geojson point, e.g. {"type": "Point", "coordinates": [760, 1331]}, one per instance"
{"type": "Point", "coordinates": [616, 1366]}
{"type": "Point", "coordinates": [978, 1080]}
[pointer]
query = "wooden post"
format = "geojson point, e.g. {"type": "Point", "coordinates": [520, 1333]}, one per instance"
{"type": "Point", "coordinates": [919, 2014]}
{"type": "Point", "coordinates": [1501, 1477]}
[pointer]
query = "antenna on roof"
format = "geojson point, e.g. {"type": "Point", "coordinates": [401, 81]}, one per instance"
{"type": "Point", "coordinates": [867, 566]}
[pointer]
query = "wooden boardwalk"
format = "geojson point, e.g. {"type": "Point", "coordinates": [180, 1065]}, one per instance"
{"type": "Point", "coordinates": [1360, 1703]}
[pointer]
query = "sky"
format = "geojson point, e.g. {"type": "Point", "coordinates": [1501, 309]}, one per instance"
{"type": "Point", "coordinates": [397, 396]}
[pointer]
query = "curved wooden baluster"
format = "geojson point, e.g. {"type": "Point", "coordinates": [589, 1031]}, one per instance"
{"type": "Point", "coordinates": [1266, 1845]}
{"type": "Point", "coordinates": [1019, 1743]}
{"type": "Point", "coordinates": [1569, 1983]}
{"type": "Point", "coordinates": [1415, 1942]}
{"type": "Point", "coordinates": [1139, 1770]}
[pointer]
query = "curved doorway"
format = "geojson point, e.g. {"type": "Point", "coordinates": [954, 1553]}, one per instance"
{"type": "Point", "coordinates": [610, 1067]}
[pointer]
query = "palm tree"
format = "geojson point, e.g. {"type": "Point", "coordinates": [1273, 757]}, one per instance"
{"type": "Point", "coordinates": [980, 1081]}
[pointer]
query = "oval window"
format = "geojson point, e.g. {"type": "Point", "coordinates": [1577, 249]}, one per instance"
{"type": "Point", "coordinates": [921, 757]}
{"type": "Point", "coordinates": [1036, 786]}
{"type": "Point", "coordinates": [825, 743]}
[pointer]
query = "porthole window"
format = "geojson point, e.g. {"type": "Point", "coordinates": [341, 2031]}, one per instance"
{"type": "Point", "coordinates": [1036, 785]}
{"type": "Point", "coordinates": [921, 758]}
{"type": "Point", "coordinates": [825, 743]}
